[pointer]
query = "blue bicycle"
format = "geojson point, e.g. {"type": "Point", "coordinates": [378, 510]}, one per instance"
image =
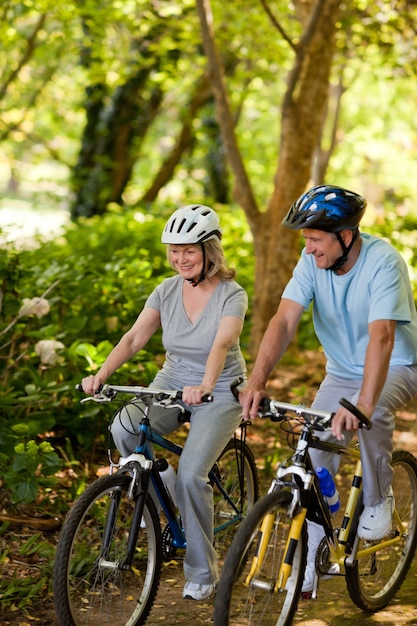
{"type": "Point", "coordinates": [111, 547]}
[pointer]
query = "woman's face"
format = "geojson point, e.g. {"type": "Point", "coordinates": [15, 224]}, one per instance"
{"type": "Point", "coordinates": [187, 260]}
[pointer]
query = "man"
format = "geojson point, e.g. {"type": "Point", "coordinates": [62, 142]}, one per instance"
{"type": "Point", "coordinates": [365, 318]}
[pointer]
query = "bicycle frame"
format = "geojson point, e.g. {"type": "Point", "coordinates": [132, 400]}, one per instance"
{"type": "Point", "coordinates": [144, 454]}
{"type": "Point", "coordinates": [276, 558]}
{"type": "Point", "coordinates": [297, 475]}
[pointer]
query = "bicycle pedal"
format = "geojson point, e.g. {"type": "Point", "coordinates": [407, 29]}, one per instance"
{"type": "Point", "coordinates": [306, 595]}
{"type": "Point", "coordinates": [309, 595]}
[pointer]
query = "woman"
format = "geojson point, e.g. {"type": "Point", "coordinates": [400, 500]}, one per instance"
{"type": "Point", "coordinates": [201, 311]}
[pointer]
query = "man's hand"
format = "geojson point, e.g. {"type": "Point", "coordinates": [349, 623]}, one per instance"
{"type": "Point", "coordinates": [344, 420]}
{"type": "Point", "coordinates": [249, 398]}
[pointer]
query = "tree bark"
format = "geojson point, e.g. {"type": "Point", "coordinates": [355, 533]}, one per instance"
{"type": "Point", "coordinates": [276, 249]}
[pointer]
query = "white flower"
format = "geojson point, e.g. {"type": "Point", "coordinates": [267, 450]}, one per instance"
{"type": "Point", "coordinates": [34, 306]}
{"type": "Point", "coordinates": [46, 349]}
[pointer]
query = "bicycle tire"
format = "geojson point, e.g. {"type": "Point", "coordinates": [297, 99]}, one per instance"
{"type": "Point", "coordinates": [238, 604]}
{"type": "Point", "coordinates": [87, 591]}
{"type": "Point", "coordinates": [374, 580]}
{"type": "Point", "coordinates": [237, 472]}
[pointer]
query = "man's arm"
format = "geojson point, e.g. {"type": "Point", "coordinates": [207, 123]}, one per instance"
{"type": "Point", "coordinates": [377, 360]}
{"type": "Point", "coordinates": [133, 340]}
{"type": "Point", "coordinates": [280, 332]}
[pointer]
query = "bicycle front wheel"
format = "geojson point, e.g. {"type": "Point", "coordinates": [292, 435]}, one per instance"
{"type": "Point", "coordinates": [91, 586]}
{"type": "Point", "coordinates": [235, 491]}
{"type": "Point", "coordinates": [244, 599]}
{"type": "Point", "coordinates": [375, 578]}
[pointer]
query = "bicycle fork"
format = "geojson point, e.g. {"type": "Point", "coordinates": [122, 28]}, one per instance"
{"type": "Point", "coordinates": [297, 514]}
{"type": "Point", "coordinates": [139, 469]}
{"type": "Point", "coordinates": [285, 568]}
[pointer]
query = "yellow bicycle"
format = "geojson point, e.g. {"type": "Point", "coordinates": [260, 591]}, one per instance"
{"type": "Point", "coordinates": [264, 569]}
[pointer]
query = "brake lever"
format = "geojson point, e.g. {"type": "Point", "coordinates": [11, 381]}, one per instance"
{"type": "Point", "coordinates": [97, 398]}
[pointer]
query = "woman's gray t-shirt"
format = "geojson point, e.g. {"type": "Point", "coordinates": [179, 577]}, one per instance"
{"type": "Point", "coordinates": [187, 344]}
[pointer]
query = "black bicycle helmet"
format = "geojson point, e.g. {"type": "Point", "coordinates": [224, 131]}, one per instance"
{"type": "Point", "coordinates": [328, 208]}
{"type": "Point", "coordinates": [331, 209]}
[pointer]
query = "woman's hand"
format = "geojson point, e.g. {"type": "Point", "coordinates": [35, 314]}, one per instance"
{"type": "Point", "coordinates": [92, 384]}
{"type": "Point", "coordinates": [195, 394]}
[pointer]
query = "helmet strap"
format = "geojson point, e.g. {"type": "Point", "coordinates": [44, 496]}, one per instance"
{"type": "Point", "coordinates": [346, 249]}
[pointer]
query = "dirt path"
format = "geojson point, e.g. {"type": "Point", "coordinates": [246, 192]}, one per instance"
{"type": "Point", "coordinates": [333, 606]}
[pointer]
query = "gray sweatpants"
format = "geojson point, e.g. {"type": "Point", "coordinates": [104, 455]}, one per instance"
{"type": "Point", "coordinates": [211, 427]}
{"type": "Point", "coordinates": [376, 444]}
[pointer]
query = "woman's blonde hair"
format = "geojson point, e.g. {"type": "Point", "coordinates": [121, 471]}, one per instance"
{"type": "Point", "coordinates": [215, 260]}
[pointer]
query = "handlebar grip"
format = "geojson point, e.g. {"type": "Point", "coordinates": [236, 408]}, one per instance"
{"type": "Point", "coordinates": [234, 387]}
{"type": "Point", "coordinates": [208, 397]}
{"type": "Point", "coordinates": [365, 422]}
{"type": "Point", "coordinates": [79, 388]}
{"type": "Point", "coordinates": [265, 404]}
{"type": "Point", "coordinates": [264, 410]}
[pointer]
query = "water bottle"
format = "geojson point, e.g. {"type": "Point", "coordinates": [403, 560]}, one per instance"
{"type": "Point", "coordinates": [328, 489]}
{"type": "Point", "coordinates": [169, 477]}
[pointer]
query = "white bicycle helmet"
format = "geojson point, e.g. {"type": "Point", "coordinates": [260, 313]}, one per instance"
{"type": "Point", "coordinates": [191, 224]}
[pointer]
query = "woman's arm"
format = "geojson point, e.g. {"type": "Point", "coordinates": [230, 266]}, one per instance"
{"type": "Point", "coordinates": [132, 341]}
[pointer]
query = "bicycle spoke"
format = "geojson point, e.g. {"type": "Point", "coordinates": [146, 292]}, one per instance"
{"type": "Point", "coordinates": [247, 593]}
{"type": "Point", "coordinates": [91, 586]}
{"type": "Point", "coordinates": [235, 491]}
{"type": "Point", "coordinates": [375, 578]}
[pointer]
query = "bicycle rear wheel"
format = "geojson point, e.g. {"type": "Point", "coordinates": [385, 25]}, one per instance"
{"type": "Point", "coordinates": [375, 579]}
{"type": "Point", "coordinates": [90, 585]}
{"type": "Point", "coordinates": [237, 475]}
{"type": "Point", "coordinates": [240, 604]}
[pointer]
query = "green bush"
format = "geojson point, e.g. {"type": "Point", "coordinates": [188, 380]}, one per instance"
{"type": "Point", "coordinates": [65, 303]}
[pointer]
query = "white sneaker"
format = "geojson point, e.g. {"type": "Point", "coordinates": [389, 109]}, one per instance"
{"type": "Point", "coordinates": [376, 521]}
{"type": "Point", "coordinates": [195, 591]}
{"type": "Point", "coordinates": [310, 581]}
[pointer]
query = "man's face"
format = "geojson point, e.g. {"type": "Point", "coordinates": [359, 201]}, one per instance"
{"type": "Point", "coordinates": [325, 247]}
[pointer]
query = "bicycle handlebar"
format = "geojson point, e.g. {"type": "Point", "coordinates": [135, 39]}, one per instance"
{"type": "Point", "coordinates": [277, 411]}
{"type": "Point", "coordinates": [108, 392]}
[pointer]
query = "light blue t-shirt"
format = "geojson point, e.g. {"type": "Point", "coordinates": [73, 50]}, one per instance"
{"type": "Point", "coordinates": [187, 344]}
{"type": "Point", "coordinates": [377, 287]}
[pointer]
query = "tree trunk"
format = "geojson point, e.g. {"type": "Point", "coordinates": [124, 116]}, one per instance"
{"type": "Point", "coordinates": [115, 130]}
{"type": "Point", "coordinates": [328, 136]}
{"type": "Point", "coordinates": [277, 249]}
{"type": "Point", "coordinates": [111, 136]}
